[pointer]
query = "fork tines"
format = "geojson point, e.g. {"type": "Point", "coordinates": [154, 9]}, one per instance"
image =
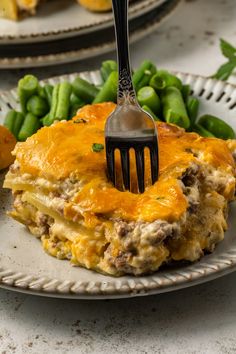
{"type": "Point", "coordinates": [124, 146]}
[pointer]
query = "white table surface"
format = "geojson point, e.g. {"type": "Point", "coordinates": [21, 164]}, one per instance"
{"type": "Point", "coordinates": [201, 319]}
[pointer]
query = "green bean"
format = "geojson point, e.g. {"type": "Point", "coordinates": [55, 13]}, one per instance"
{"type": "Point", "coordinates": [27, 87]}
{"type": "Point", "coordinates": [143, 74]}
{"type": "Point", "coordinates": [75, 104]}
{"type": "Point", "coordinates": [163, 79]}
{"type": "Point", "coordinates": [186, 91]}
{"type": "Point", "coordinates": [148, 97]}
{"type": "Point", "coordinates": [109, 90]}
{"type": "Point", "coordinates": [30, 126]}
{"type": "Point", "coordinates": [60, 103]}
{"type": "Point", "coordinates": [44, 120]}
{"type": "Point", "coordinates": [217, 127]}
{"type": "Point", "coordinates": [48, 90]}
{"type": "Point", "coordinates": [63, 103]}
{"type": "Point", "coordinates": [197, 128]}
{"type": "Point", "coordinates": [14, 121]}
{"type": "Point", "coordinates": [192, 106]}
{"type": "Point", "coordinates": [37, 105]}
{"type": "Point", "coordinates": [84, 90]}
{"type": "Point", "coordinates": [73, 110]}
{"type": "Point", "coordinates": [10, 120]}
{"type": "Point", "coordinates": [52, 114]}
{"type": "Point", "coordinates": [41, 92]}
{"type": "Point", "coordinates": [107, 67]}
{"type": "Point", "coordinates": [157, 83]}
{"type": "Point", "coordinates": [76, 100]}
{"type": "Point", "coordinates": [148, 110]}
{"type": "Point", "coordinates": [174, 110]}
{"type": "Point", "coordinates": [19, 120]}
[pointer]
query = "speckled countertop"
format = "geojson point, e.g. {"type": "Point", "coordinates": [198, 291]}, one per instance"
{"type": "Point", "coordinates": [201, 319]}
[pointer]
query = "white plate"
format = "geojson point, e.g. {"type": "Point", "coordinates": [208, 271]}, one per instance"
{"type": "Point", "coordinates": [81, 47]}
{"type": "Point", "coordinates": [61, 19]}
{"type": "Point", "coordinates": [24, 266]}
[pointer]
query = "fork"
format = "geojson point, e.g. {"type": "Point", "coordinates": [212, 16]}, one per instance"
{"type": "Point", "coordinates": [129, 127]}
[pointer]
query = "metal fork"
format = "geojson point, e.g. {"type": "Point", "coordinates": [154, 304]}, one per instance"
{"type": "Point", "coordinates": [128, 127]}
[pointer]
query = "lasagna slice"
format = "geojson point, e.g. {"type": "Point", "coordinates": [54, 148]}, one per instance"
{"type": "Point", "coordinates": [62, 194]}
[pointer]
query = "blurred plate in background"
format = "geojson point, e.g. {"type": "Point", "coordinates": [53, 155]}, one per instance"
{"type": "Point", "coordinates": [61, 19]}
{"type": "Point", "coordinates": [83, 46]}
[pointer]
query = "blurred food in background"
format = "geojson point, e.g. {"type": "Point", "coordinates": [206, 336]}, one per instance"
{"type": "Point", "coordinates": [14, 9]}
{"type": "Point", "coordinates": [96, 5]}
{"type": "Point", "coordinates": [18, 9]}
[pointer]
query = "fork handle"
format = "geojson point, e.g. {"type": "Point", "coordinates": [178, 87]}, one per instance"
{"type": "Point", "coordinates": [125, 86]}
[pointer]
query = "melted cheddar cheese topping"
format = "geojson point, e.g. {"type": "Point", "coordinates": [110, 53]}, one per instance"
{"type": "Point", "coordinates": [57, 152]}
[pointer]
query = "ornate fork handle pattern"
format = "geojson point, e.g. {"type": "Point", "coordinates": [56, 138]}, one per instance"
{"type": "Point", "coordinates": [126, 91]}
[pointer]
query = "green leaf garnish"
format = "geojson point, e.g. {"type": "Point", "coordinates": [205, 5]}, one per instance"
{"type": "Point", "coordinates": [97, 147]}
{"type": "Point", "coordinates": [227, 49]}
{"type": "Point", "coordinates": [226, 69]}
{"type": "Point", "coordinates": [160, 198]}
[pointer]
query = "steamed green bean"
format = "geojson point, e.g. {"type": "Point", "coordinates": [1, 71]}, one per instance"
{"type": "Point", "coordinates": [76, 100]}
{"type": "Point", "coordinates": [148, 110]}
{"type": "Point", "coordinates": [14, 121]}
{"type": "Point", "coordinates": [192, 106]}
{"type": "Point", "coordinates": [63, 100]}
{"type": "Point", "coordinates": [143, 74]}
{"type": "Point", "coordinates": [148, 97]}
{"type": "Point", "coordinates": [48, 90]}
{"type": "Point", "coordinates": [10, 120]}
{"type": "Point", "coordinates": [186, 91]}
{"type": "Point", "coordinates": [52, 114]}
{"type": "Point", "coordinates": [30, 125]}
{"type": "Point", "coordinates": [37, 105]}
{"type": "Point", "coordinates": [27, 87]}
{"type": "Point", "coordinates": [84, 90]}
{"type": "Point", "coordinates": [109, 90]}
{"type": "Point", "coordinates": [217, 127]}
{"type": "Point", "coordinates": [19, 120]}
{"type": "Point", "coordinates": [163, 79]}
{"type": "Point", "coordinates": [174, 110]}
{"type": "Point", "coordinates": [107, 68]}
{"type": "Point", "coordinates": [197, 128]}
